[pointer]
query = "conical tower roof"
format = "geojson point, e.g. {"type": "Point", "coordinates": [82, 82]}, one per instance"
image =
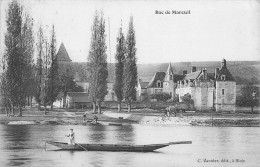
{"type": "Point", "coordinates": [62, 54]}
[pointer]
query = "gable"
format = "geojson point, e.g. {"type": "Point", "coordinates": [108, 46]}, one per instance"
{"type": "Point", "coordinates": [227, 75]}
{"type": "Point", "coordinates": [158, 76]}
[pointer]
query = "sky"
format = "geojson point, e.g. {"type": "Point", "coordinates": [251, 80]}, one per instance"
{"type": "Point", "coordinates": [214, 29]}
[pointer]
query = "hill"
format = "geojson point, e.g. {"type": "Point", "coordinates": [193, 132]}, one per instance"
{"type": "Point", "coordinates": [242, 71]}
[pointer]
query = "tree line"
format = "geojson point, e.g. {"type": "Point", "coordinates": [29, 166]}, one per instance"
{"type": "Point", "coordinates": [125, 67]}
{"type": "Point", "coordinates": [22, 79]}
{"type": "Point", "coordinates": [46, 80]}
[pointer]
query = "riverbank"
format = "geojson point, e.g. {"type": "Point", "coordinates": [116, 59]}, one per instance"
{"type": "Point", "coordinates": [141, 116]}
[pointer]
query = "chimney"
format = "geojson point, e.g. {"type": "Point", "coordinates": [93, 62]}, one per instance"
{"type": "Point", "coordinates": [193, 69]}
{"type": "Point", "coordinates": [223, 63]}
{"type": "Point", "coordinates": [216, 72]}
{"type": "Point", "coordinates": [204, 73]}
{"type": "Point", "coordinates": [184, 72]}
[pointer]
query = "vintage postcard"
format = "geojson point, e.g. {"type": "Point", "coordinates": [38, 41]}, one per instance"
{"type": "Point", "coordinates": [130, 83]}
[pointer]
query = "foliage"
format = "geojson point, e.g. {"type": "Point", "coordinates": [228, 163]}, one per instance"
{"type": "Point", "coordinates": [130, 68]}
{"type": "Point", "coordinates": [174, 100]}
{"type": "Point", "coordinates": [18, 57]}
{"type": "Point", "coordinates": [45, 72]}
{"type": "Point", "coordinates": [53, 78]}
{"type": "Point", "coordinates": [119, 67]}
{"type": "Point", "coordinates": [39, 66]}
{"type": "Point", "coordinates": [187, 98]}
{"type": "Point", "coordinates": [98, 62]}
{"type": "Point", "coordinates": [161, 96]}
{"type": "Point", "coordinates": [28, 51]}
{"type": "Point", "coordinates": [67, 84]}
{"type": "Point", "coordinates": [249, 96]}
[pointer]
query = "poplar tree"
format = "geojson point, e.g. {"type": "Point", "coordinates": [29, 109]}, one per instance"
{"type": "Point", "coordinates": [119, 67]}
{"type": "Point", "coordinates": [53, 77]}
{"type": "Point", "coordinates": [45, 76]}
{"type": "Point", "coordinates": [130, 68]}
{"type": "Point", "coordinates": [28, 51]}
{"type": "Point", "coordinates": [39, 66]}
{"type": "Point", "coordinates": [18, 55]}
{"type": "Point", "coordinates": [97, 59]}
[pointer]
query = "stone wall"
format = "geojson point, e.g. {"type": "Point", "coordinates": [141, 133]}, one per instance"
{"type": "Point", "coordinates": [202, 94]}
{"type": "Point", "coordinates": [138, 105]}
{"type": "Point", "coordinates": [168, 87]}
{"type": "Point", "coordinates": [226, 101]}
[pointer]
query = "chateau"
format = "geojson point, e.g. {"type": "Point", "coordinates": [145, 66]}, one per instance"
{"type": "Point", "coordinates": [209, 91]}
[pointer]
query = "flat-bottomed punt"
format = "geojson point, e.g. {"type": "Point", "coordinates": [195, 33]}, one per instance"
{"type": "Point", "coordinates": [113, 147]}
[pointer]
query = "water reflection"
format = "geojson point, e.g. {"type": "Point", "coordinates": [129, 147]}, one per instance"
{"type": "Point", "coordinates": [208, 142]}
{"type": "Point", "coordinates": [125, 134]}
{"type": "Point", "coordinates": [97, 133]}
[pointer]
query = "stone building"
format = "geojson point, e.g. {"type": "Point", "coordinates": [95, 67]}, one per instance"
{"type": "Point", "coordinates": [77, 100]}
{"type": "Point", "coordinates": [225, 93]}
{"type": "Point", "coordinates": [209, 91]}
{"type": "Point", "coordinates": [200, 85]}
{"type": "Point", "coordinates": [170, 81]}
{"type": "Point", "coordinates": [163, 82]}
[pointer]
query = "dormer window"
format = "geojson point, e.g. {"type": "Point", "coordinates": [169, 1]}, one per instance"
{"type": "Point", "coordinates": [159, 84]}
{"type": "Point", "coordinates": [223, 77]}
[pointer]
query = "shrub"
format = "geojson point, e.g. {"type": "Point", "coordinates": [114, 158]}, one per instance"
{"type": "Point", "coordinates": [161, 96]}
{"type": "Point", "coordinates": [187, 98]}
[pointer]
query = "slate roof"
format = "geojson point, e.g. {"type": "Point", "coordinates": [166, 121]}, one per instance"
{"type": "Point", "coordinates": [144, 84]}
{"type": "Point", "coordinates": [78, 96]}
{"type": "Point", "coordinates": [192, 76]}
{"type": "Point", "coordinates": [157, 76]}
{"type": "Point", "coordinates": [225, 71]}
{"type": "Point", "coordinates": [62, 54]}
{"type": "Point", "coordinates": [211, 76]}
{"type": "Point", "coordinates": [177, 77]}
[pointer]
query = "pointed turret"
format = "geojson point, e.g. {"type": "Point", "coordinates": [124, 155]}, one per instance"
{"type": "Point", "coordinates": [169, 73]}
{"type": "Point", "coordinates": [62, 54]}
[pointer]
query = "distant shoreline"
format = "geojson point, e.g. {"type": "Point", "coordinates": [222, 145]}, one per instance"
{"type": "Point", "coordinates": [138, 116]}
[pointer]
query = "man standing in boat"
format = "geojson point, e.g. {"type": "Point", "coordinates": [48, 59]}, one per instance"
{"type": "Point", "coordinates": [71, 137]}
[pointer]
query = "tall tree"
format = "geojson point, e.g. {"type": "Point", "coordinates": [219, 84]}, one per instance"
{"type": "Point", "coordinates": [19, 53]}
{"type": "Point", "coordinates": [97, 59]}
{"type": "Point", "coordinates": [130, 68]}
{"type": "Point", "coordinates": [45, 77]}
{"type": "Point", "coordinates": [5, 101]}
{"type": "Point", "coordinates": [39, 67]}
{"type": "Point", "coordinates": [119, 67]}
{"type": "Point", "coordinates": [28, 51]}
{"type": "Point", "coordinates": [249, 96]}
{"type": "Point", "coordinates": [53, 78]}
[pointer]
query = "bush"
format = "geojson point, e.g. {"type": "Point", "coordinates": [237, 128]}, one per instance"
{"type": "Point", "coordinates": [174, 100]}
{"type": "Point", "coordinates": [161, 96]}
{"type": "Point", "coordinates": [187, 98]}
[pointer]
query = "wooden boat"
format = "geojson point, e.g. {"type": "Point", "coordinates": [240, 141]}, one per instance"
{"type": "Point", "coordinates": [113, 147]}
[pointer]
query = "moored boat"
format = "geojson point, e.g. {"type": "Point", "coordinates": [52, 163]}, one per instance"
{"type": "Point", "coordinates": [112, 147]}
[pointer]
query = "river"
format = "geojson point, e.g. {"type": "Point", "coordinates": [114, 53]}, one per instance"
{"type": "Point", "coordinates": [22, 145]}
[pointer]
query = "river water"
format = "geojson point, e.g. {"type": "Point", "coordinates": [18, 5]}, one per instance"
{"type": "Point", "coordinates": [22, 145]}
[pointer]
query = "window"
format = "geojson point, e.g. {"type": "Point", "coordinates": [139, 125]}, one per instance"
{"type": "Point", "coordinates": [223, 77]}
{"type": "Point", "coordinates": [113, 96]}
{"type": "Point", "coordinates": [159, 84]}
{"type": "Point", "coordinates": [170, 77]}
{"type": "Point", "coordinates": [223, 91]}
